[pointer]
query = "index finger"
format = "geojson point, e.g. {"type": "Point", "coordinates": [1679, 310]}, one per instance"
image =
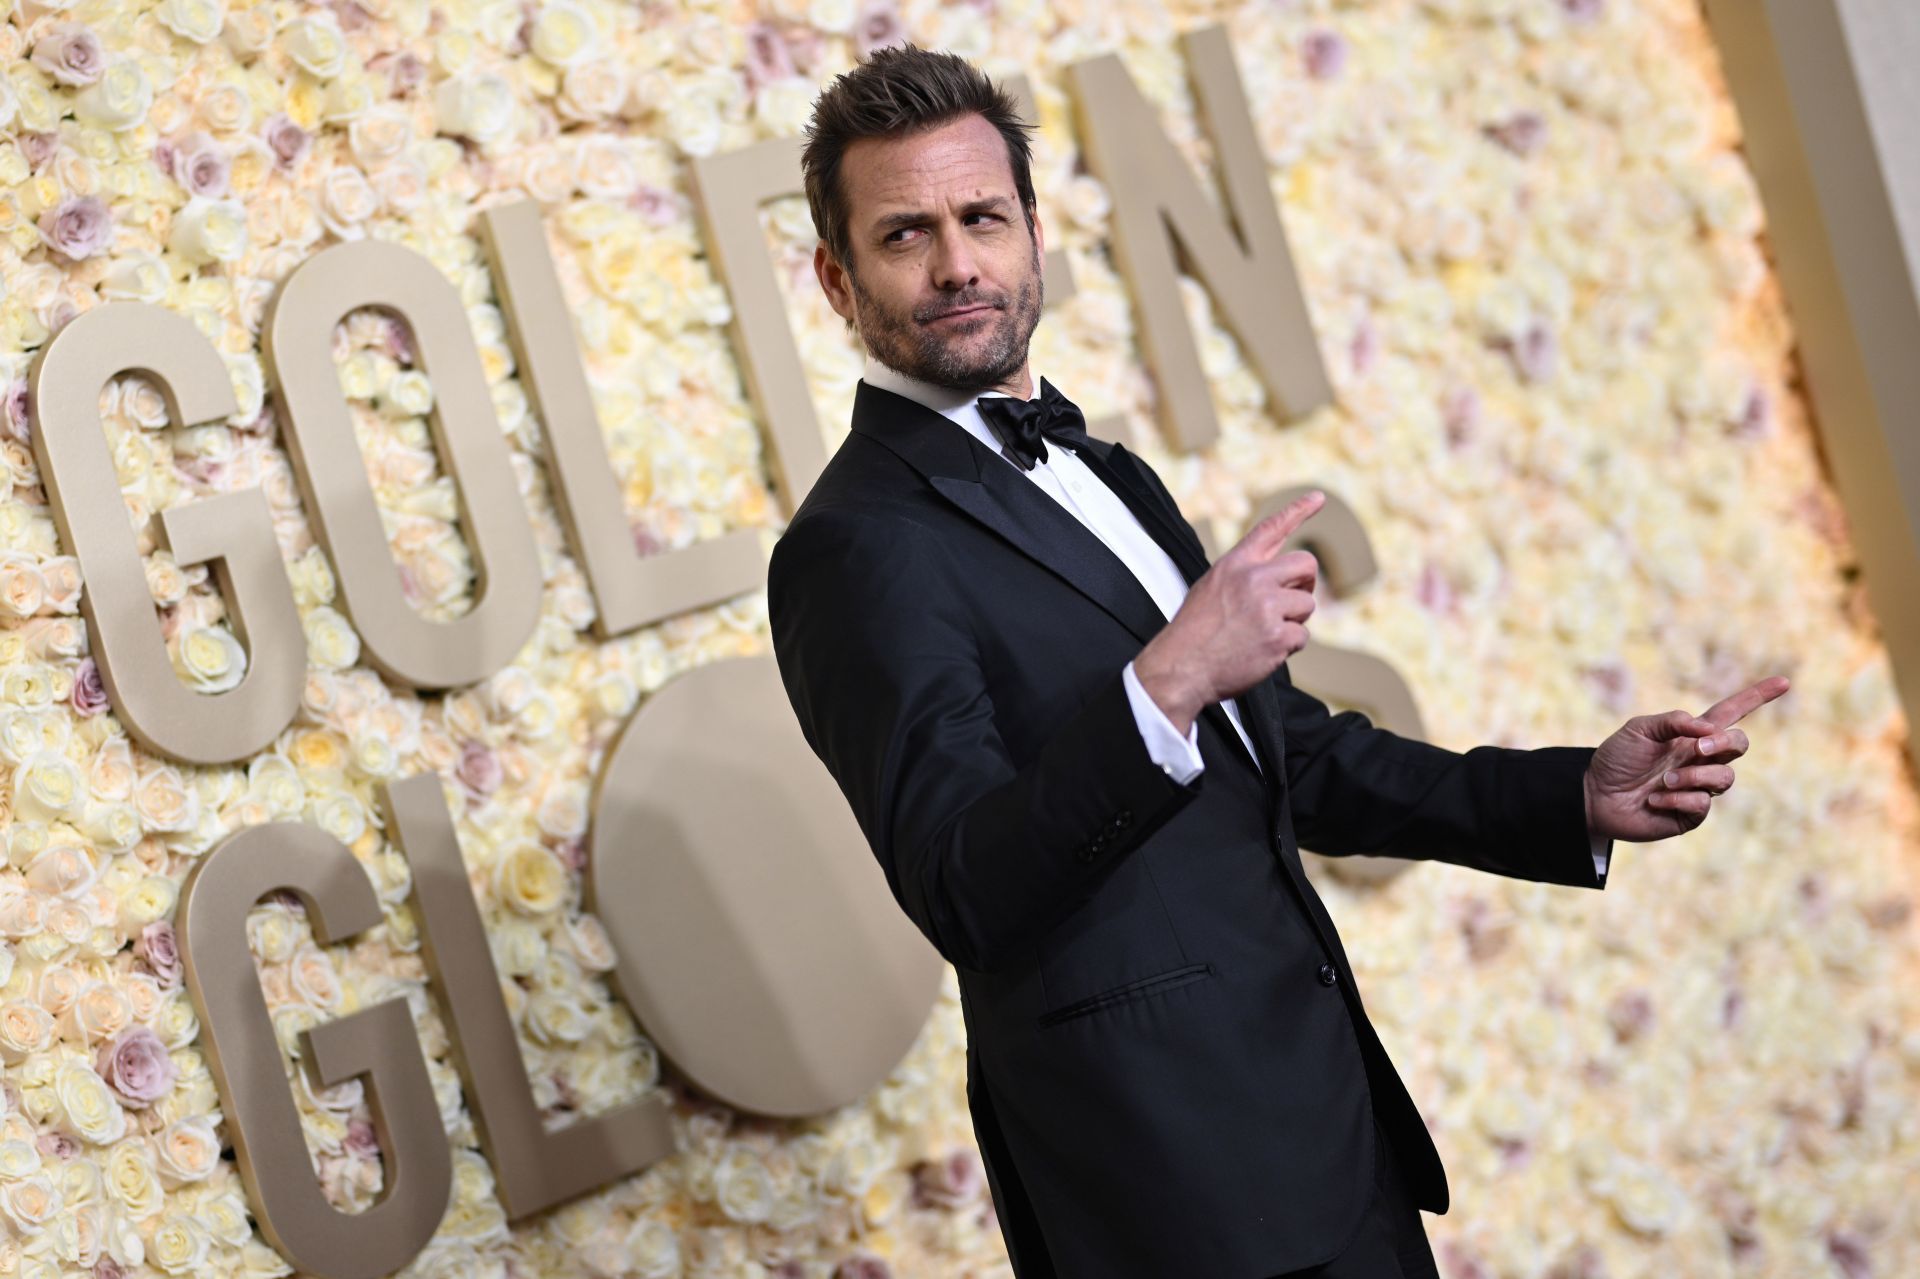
{"type": "Point", "coordinates": [1731, 710]}
{"type": "Point", "coordinates": [1266, 537]}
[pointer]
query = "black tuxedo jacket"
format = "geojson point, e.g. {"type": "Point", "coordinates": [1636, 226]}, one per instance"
{"type": "Point", "coordinates": [1169, 1068]}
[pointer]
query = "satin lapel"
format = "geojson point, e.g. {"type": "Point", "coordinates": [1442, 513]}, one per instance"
{"type": "Point", "coordinates": [960, 470]}
{"type": "Point", "coordinates": [1119, 472]}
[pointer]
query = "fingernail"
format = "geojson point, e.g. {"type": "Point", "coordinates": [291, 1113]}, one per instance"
{"type": "Point", "coordinates": [1706, 746]}
{"type": "Point", "coordinates": [1673, 779]}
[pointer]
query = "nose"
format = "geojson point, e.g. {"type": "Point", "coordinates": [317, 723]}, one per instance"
{"type": "Point", "coordinates": [952, 263]}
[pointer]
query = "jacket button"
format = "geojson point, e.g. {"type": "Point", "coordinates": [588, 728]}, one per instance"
{"type": "Point", "coordinates": [1328, 975]}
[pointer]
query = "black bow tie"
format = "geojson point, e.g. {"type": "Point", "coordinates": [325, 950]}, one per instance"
{"type": "Point", "coordinates": [1020, 424]}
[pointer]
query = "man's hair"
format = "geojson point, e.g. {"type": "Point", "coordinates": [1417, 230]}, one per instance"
{"type": "Point", "coordinates": [898, 91]}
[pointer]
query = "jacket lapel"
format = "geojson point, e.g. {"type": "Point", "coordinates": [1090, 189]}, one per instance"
{"type": "Point", "coordinates": [959, 468]}
{"type": "Point", "coordinates": [1006, 502]}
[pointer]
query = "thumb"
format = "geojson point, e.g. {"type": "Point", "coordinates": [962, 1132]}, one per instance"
{"type": "Point", "coordinates": [1676, 724]}
{"type": "Point", "coordinates": [1265, 539]}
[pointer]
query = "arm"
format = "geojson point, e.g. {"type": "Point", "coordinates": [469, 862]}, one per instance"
{"type": "Point", "coordinates": [1355, 788]}
{"type": "Point", "coordinates": [881, 666]}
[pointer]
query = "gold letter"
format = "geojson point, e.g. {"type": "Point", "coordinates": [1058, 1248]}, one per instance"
{"type": "Point", "coordinates": [234, 531]}
{"type": "Point", "coordinates": [535, 1168]}
{"type": "Point", "coordinates": [1154, 192]}
{"type": "Point", "coordinates": [379, 1042]}
{"type": "Point", "coordinates": [758, 942]}
{"type": "Point", "coordinates": [631, 591]}
{"type": "Point", "coordinates": [466, 433]}
{"type": "Point", "coordinates": [730, 189]}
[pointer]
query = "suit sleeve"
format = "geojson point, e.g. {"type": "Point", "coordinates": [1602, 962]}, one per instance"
{"type": "Point", "coordinates": [1356, 788]}
{"type": "Point", "coordinates": [880, 663]}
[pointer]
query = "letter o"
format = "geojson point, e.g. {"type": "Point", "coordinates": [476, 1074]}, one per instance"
{"type": "Point", "coordinates": [758, 942]}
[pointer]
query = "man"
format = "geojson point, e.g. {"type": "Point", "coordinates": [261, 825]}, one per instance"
{"type": "Point", "coordinates": [1077, 753]}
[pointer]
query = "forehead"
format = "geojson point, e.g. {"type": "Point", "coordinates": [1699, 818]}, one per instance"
{"type": "Point", "coordinates": [965, 159]}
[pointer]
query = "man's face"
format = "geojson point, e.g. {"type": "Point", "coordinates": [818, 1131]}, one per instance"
{"type": "Point", "coordinates": [944, 277]}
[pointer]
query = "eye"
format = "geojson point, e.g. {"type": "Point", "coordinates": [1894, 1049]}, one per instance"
{"type": "Point", "coordinates": [899, 235]}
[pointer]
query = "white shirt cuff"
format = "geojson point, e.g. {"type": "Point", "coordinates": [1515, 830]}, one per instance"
{"type": "Point", "coordinates": [1602, 854]}
{"type": "Point", "coordinates": [1178, 757]}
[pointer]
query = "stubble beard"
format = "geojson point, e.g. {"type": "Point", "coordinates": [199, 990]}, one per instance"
{"type": "Point", "coordinates": [898, 340]}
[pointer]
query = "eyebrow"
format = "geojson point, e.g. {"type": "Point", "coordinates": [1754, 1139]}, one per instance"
{"type": "Point", "coordinates": [894, 221]}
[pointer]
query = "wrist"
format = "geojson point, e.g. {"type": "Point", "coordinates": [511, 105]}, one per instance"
{"type": "Point", "coordinates": [1161, 679]}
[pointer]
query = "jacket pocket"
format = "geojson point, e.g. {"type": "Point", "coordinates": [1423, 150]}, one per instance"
{"type": "Point", "coordinates": [1133, 990]}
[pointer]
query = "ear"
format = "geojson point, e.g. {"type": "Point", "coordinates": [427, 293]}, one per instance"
{"type": "Point", "coordinates": [1039, 233]}
{"type": "Point", "coordinates": [833, 282]}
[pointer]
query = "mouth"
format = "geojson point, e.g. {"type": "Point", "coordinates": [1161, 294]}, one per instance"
{"type": "Point", "coordinates": [961, 314]}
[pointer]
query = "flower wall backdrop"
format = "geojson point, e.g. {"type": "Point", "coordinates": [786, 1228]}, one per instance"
{"type": "Point", "coordinates": [1567, 415]}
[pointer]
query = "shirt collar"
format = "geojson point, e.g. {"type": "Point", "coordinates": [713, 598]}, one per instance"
{"type": "Point", "coordinates": [961, 407]}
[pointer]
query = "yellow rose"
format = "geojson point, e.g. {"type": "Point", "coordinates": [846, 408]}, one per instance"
{"type": "Point", "coordinates": [318, 750]}
{"type": "Point", "coordinates": [531, 880]}
{"type": "Point", "coordinates": [152, 898]}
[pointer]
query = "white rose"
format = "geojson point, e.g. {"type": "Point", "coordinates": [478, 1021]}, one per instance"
{"type": "Point", "coordinates": [379, 135]}
{"type": "Point", "coordinates": [478, 106]}
{"type": "Point", "coordinates": [46, 786]}
{"type": "Point", "coordinates": [564, 34]}
{"type": "Point", "coordinates": [653, 1249]}
{"type": "Point", "coordinates": [209, 230]}
{"type": "Point", "coordinates": [179, 1245]}
{"type": "Point", "coordinates": [408, 394]}
{"type": "Point", "coordinates": [557, 1018]}
{"type": "Point", "coordinates": [196, 20]}
{"type": "Point", "coordinates": [332, 642]}
{"type": "Point", "coordinates": [137, 277]}
{"type": "Point", "coordinates": [316, 45]}
{"type": "Point", "coordinates": [694, 124]}
{"type": "Point", "coordinates": [118, 100]}
{"type": "Point", "coordinates": [209, 659]}
{"type": "Point", "coordinates": [89, 1106]}
{"type": "Point", "coordinates": [832, 15]}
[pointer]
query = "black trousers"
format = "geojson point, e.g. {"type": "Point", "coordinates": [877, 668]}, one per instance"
{"type": "Point", "coordinates": [1392, 1241]}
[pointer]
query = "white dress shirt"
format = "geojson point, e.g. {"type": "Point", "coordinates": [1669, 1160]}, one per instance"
{"type": "Point", "coordinates": [1068, 481]}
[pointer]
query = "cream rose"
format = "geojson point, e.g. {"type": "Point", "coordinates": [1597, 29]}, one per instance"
{"type": "Point", "coordinates": [196, 20]}
{"type": "Point", "coordinates": [347, 201]}
{"type": "Point", "coordinates": [118, 100]}
{"type": "Point", "coordinates": [187, 1150]}
{"type": "Point", "coordinates": [131, 1180]}
{"type": "Point", "coordinates": [88, 1106]}
{"type": "Point", "coordinates": [178, 1245]}
{"type": "Point", "coordinates": [315, 44]}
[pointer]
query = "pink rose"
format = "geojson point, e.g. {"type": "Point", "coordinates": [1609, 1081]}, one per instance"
{"type": "Point", "coordinates": [38, 148]}
{"type": "Point", "coordinates": [136, 1065]}
{"type": "Point", "coordinates": [877, 27]}
{"type": "Point", "coordinates": [56, 1145]}
{"type": "Point", "coordinates": [1522, 133]}
{"type": "Point", "coordinates": [108, 1268]}
{"type": "Point", "coordinates": [79, 226]}
{"type": "Point", "coordinates": [70, 53]}
{"type": "Point", "coordinates": [202, 167]}
{"type": "Point", "coordinates": [1325, 53]}
{"type": "Point", "coordinates": [361, 1140]}
{"type": "Point", "coordinates": [20, 411]}
{"type": "Point", "coordinates": [89, 690]}
{"type": "Point", "coordinates": [863, 1265]}
{"type": "Point", "coordinates": [288, 141]}
{"type": "Point", "coordinates": [768, 58]}
{"type": "Point", "coordinates": [1583, 10]}
{"type": "Point", "coordinates": [953, 1182]}
{"type": "Point", "coordinates": [479, 769]}
{"type": "Point", "coordinates": [158, 950]}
